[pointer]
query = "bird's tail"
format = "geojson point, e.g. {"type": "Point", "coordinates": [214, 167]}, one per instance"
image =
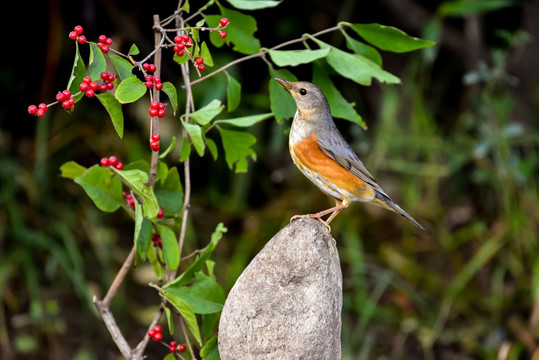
{"type": "Point", "coordinates": [384, 201]}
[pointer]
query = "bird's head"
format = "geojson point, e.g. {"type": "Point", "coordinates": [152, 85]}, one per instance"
{"type": "Point", "coordinates": [309, 99]}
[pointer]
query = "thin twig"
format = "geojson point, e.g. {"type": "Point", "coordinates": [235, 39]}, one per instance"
{"type": "Point", "coordinates": [187, 341]}
{"type": "Point", "coordinates": [113, 289]}
{"type": "Point", "coordinates": [154, 128]}
{"type": "Point", "coordinates": [265, 51]}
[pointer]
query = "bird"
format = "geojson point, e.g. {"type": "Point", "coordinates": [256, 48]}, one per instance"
{"type": "Point", "coordinates": [322, 154]}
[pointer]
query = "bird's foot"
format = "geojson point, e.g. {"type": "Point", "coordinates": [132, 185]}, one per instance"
{"type": "Point", "coordinates": [312, 216]}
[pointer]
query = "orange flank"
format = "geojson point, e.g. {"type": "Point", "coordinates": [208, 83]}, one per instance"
{"type": "Point", "coordinates": [309, 156]}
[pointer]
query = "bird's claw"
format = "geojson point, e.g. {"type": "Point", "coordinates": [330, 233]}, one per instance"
{"type": "Point", "coordinates": [312, 216]}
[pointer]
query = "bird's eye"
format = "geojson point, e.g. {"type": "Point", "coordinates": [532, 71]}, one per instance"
{"type": "Point", "coordinates": [302, 91]}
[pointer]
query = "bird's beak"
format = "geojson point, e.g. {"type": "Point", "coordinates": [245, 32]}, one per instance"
{"type": "Point", "coordinates": [284, 83]}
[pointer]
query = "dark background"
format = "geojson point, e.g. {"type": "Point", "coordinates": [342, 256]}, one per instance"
{"type": "Point", "coordinates": [460, 156]}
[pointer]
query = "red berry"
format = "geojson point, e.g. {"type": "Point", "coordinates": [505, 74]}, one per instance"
{"type": "Point", "coordinates": [67, 94]}
{"type": "Point", "coordinates": [40, 112]}
{"type": "Point", "coordinates": [110, 86]}
{"type": "Point", "coordinates": [78, 29]}
{"type": "Point", "coordinates": [108, 41]}
{"type": "Point", "coordinates": [119, 166]}
{"type": "Point", "coordinates": [149, 84]}
{"type": "Point", "coordinates": [199, 61]}
{"type": "Point", "coordinates": [182, 347]}
{"type": "Point", "coordinates": [32, 109]}
{"type": "Point", "coordinates": [158, 86]}
{"type": "Point", "coordinates": [181, 46]}
{"type": "Point", "coordinates": [43, 106]}
{"type": "Point", "coordinates": [158, 329]}
{"type": "Point", "coordinates": [60, 97]}
{"type": "Point", "coordinates": [105, 161]}
{"type": "Point", "coordinates": [185, 38]}
{"type": "Point", "coordinates": [153, 68]}
{"type": "Point", "coordinates": [161, 106]}
{"type": "Point", "coordinates": [103, 87]}
{"type": "Point", "coordinates": [180, 53]}
{"type": "Point", "coordinates": [202, 67]}
{"type": "Point", "coordinates": [124, 195]}
{"type": "Point", "coordinates": [87, 80]}
{"type": "Point", "coordinates": [160, 113]}
{"type": "Point", "coordinates": [188, 44]}
{"type": "Point", "coordinates": [104, 75]}
{"type": "Point", "coordinates": [154, 145]}
{"type": "Point", "coordinates": [172, 346]}
{"type": "Point", "coordinates": [151, 332]}
{"type": "Point", "coordinates": [222, 34]}
{"type": "Point", "coordinates": [71, 101]}
{"type": "Point", "coordinates": [149, 78]}
{"type": "Point", "coordinates": [153, 112]}
{"type": "Point", "coordinates": [83, 87]}
{"type": "Point", "coordinates": [178, 39]}
{"type": "Point", "coordinates": [111, 78]}
{"type": "Point", "coordinates": [73, 35]}
{"type": "Point", "coordinates": [90, 93]}
{"type": "Point", "coordinates": [160, 213]}
{"type": "Point", "coordinates": [102, 38]}
{"type": "Point", "coordinates": [94, 86]}
{"type": "Point", "coordinates": [81, 39]}
{"type": "Point", "coordinates": [145, 66]}
{"type": "Point", "coordinates": [158, 337]}
{"type": "Point", "coordinates": [113, 160]}
{"type": "Point", "coordinates": [156, 79]}
{"type": "Point", "coordinates": [154, 105]}
{"type": "Point", "coordinates": [105, 49]}
{"type": "Point", "coordinates": [223, 22]}
{"type": "Point", "coordinates": [156, 137]}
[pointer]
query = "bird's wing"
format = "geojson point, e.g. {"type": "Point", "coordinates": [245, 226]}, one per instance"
{"type": "Point", "coordinates": [337, 149]}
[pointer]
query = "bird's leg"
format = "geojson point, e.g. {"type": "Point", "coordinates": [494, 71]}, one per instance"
{"type": "Point", "coordinates": [334, 211]}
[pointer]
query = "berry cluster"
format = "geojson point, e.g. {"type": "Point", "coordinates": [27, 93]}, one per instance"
{"type": "Point", "coordinates": [223, 23]}
{"type": "Point", "coordinates": [130, 201]}
{"type": "Point", "coordinates": [38, 110]}
{"type": "Point", "coordinates": [76, 34]}
{"type": "Point", "coordinates": [157, 109]}
{"type": "Point", "coordinates": [154, 141]}
{"type": "Point", "coordinates": [156, 240]}
{"type": "Point", "coordinates": [104, 43]}
{"type": "Point", "coordinates": [65, 98]}
{"type": "Point", "coordinates": [182, 42]}
{"type": "Point", "coordinates": [156, 333]}
{"type": "Point", "coordinates": [112, 161]}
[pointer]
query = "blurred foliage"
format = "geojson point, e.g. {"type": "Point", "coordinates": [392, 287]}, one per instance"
{"type": "Point", "coordinates": [456, 145]}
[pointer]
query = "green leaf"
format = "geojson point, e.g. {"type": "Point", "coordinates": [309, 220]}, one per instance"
{"type": "Point", "coordinates": [195, 134]}
{"type": "Point", "coordinates": [363, 49]}
{"type": "Point", "coordinates": [233, 92]}
{"type": "Point", "coordinates": [281, 103]}
{"type": "Point", "coordinates": [97, 63]}
{"type": "Point", "coordinates": [143, 234]}
{"type": "Point", "coordinates": [189, 275]}
{"type": "Point", "coordinates": [356, 67]}
{"type": "Point", "coordinates": [187, 313]}
{"type": "Point", "coordinates": [170, 321]}
{"type": "Point", "coordinates": [466, 7]}
{"type": "Point", "coordinates": [205, 53]}
{"type": "Point", "coordinates": [204, 295]}
{"type": "Point", "coordinates": [237, 146]}
{"type": "Point", "coordinates": [123, 67]}
{"type": "Point", "coordinates": [154, 260]}
{"type": "Point", "coordinates": [169, 193]}
{"type": "Point", "coordinates": [245, 121]}
{"type": "Point", "coordinates": [185, 149]}
{"type": "Point", "coordinates": [170, 90]}
{"type": "Point", "coordinates": [102, 187]}
{"type": "Point", "coordinates": [340, 107]}
{"type": "Point", "coordinates": [140, 164]}
{"type": "Point", "coordinates": [133, 50]}
{"type": "Point", "coordinates": [296, 57]}
{"type": "Point", "coordinates": [185, 7]}
{"type": "Point", "coordinates": [72, 170]}
{"type": "Point", "coordinates": [137, 180]}
{"type": "Point", "coordinates": [389, 38]}
{"type": "Point", "coordinates": [253, 4]}
{"type": "Point", "coordinates": [114, 109]}
{"type": "Point", "coordinates": [78, 72]}
{"type": "Point", "coordinates": [212, 147]}
{"type": "Point", "coordinates": [241, 34]}
{"type": "Point", "coordinates": [171, 251]}
{"type": "Point", "coordinates": [210, 350]}
{"type": "Point", "coordinates": [163, 154]}
{"type": "Point", "coordinates": [206, 113]}
{"type": "Point", "coordinates": [130, 90]}
{"type": "Point", "coordinates": [169, 356]}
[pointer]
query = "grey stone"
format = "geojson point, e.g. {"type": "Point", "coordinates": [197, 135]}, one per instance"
{"type": "Point", "coordinates": [287, 303]}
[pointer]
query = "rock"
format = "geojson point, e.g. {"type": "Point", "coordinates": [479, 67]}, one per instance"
{"type": "Point", "coordinates": [287, 302]}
